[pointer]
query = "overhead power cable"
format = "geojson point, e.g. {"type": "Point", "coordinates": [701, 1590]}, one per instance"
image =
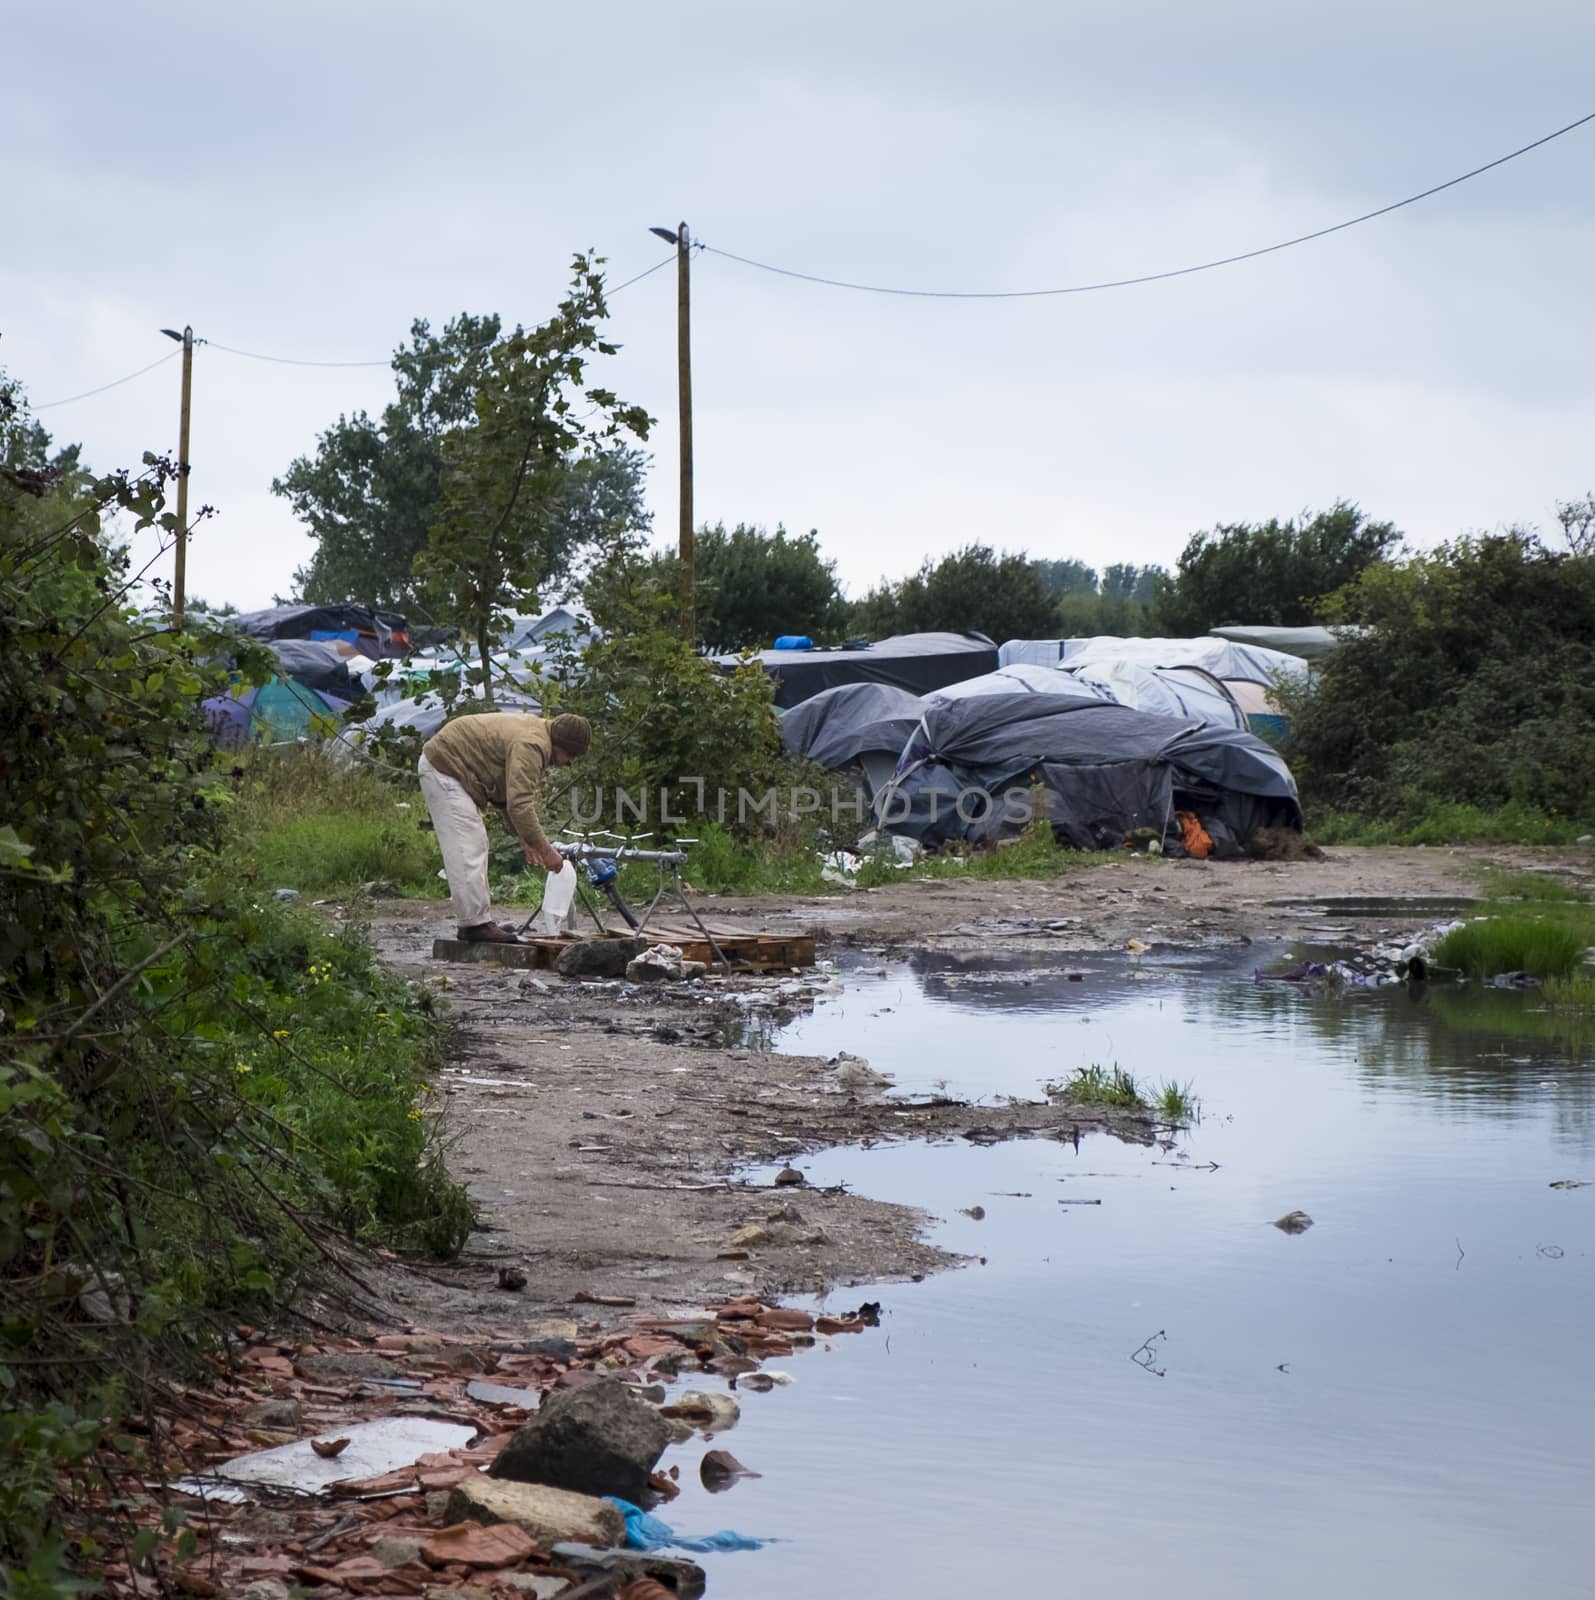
{"type": "Point", "coordinates": [292, 361]}
{"type": "Point", "coordinates": [115, 383]}
{"type": "Point", "coordinates": [1148, 277]}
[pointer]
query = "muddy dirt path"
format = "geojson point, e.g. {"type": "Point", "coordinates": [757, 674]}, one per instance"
{"type": "Point", "coordinates": [601, 1127]}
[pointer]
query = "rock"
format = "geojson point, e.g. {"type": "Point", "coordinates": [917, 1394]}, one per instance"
{"type": "Point", "coordinates": [680, 1430]}
{"type": "Point", "coordinates": [712, 1411]}
{"type": "Point", "coordinates": [455, 1591]}
{"type": "Point", "coordinates": [346, 1364]}
{"type": "Point", "coordinates": [684, 1579]}
{"type": "Point", "coordinates": [787, 1213]}
{"type": "Point", "coordinates": [747, 1238]}
{"type": "Point", "coordinates": [548, 1514]}
{"type": "Point", "coordinates": [540, 1585]}
{"type": "Point", "coordinates": [396, 1552]}
{"type": "Point", "coordinates": [281, 1416]}
{"type": "Point", "coordinates": [1293, 1222]}
{"type": "Point", "coordinates": [380, 888]}
{"type": "Point", "coordinates": [599, 958]}
{"type": "Point", "coordinates": [788, 1178]}
{"type": "Point", "coordinates": [264, 1589]}
{"type": "Point", "coordinates": [598, 1440]}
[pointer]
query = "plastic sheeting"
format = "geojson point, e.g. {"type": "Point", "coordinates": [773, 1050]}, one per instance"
{"type": "Point", "coordinates": [1308, 643]}
{"type": "Point", "coordinates": [1223, 658]}
{"type": "Point", "coordinates": [1022, 677]}
{"type": "Point", "coordinates": [917, 662]}
{"type": "Point", "coordinates": [839, 726]}
{"type": "Point", "coordinates": [426, 715]}
{"type": "Point", "coordinates": [966, 756]}
{"type": "Point", "coordinates": [383, 633]}
{"type": "Point", "coordinates": [1186, 692]}
{"type": "Point", "coordinates": [644, 1532]}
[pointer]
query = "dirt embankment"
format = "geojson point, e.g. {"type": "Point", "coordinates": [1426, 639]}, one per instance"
{"type": "Point", "coordinates": [601, 1128]}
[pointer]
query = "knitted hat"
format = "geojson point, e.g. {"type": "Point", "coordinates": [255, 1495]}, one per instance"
{"type": "Point", "coordinates": [571, 733]}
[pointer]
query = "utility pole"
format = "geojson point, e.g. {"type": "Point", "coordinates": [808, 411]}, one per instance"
{"type": "Point", "coordinates": [180, 577]}
{"type": "Point", "coordinates": [683, 243]}
{"type": "Point", "coordinates": [689, 592]}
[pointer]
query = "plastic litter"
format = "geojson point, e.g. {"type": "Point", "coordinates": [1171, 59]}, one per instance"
{"type": "Point", "coordinates": [644, 1532]}
{"type": "Point", "coordinates": [373, 1448]}
{"type": "Point", "coordinates": [558, 898]}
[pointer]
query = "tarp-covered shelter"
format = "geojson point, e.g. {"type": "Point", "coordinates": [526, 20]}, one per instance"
{"type": "Point", "coordinates": [1223, 658]}
{"type": "Point", "coordinates": [1185, 692]}
{"type": "Point", "coordinates": [1021, 678]}
{"type": "Point", "coordinates": [317, 664]}
{"type": "Point", "coordinates": [1106, 770]}
{"type": "Point", "coordinates": [861, 726]}
{"type": "Point", "coordinates": [372, 633]}
{"type": "Point", "coordinates": [917, 662]}
{"type": "Point", "coordinates": [424, 716]}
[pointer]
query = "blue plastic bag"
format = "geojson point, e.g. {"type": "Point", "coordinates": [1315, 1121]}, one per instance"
{"type": "Point", "coordinates": [649, 1533]}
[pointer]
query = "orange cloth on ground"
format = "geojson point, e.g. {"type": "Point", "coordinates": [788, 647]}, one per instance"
{"type": "Point", "coordinates": [1196, 839]}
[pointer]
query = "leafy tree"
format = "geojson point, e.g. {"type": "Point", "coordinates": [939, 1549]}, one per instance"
{"type": "Point", "coordinates": [1067, 577]}
{"type": "Point", "coordinates": [1273, 572]}
{"type": "Point", "coordinates": [972, 590]}
{"type": "Point", "coordinates": [1577, 518]}
{"type": "Point", "coordinates": [500, 536]}
{"type": "Point", "coordinates": [1126, 581]}
{"type": "Point", "coordinates": [752, 586]}
{"type": "Point", "coordinates": [369, 494]}
{"type": "Point", "coordinates": [1473, 682]}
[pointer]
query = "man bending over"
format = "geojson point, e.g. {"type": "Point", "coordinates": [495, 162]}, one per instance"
{"type": "Point", "coordinates": [496, 759]}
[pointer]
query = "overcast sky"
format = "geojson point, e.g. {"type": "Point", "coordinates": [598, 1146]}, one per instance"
{"type": "Point", "coordinates": [304, 179]}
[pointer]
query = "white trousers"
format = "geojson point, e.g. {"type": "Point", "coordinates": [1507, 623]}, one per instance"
{"type": "Point", "coordinates": [463, 841]}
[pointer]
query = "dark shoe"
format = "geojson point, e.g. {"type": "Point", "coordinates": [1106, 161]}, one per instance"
{"type": "Point", "coordinates": [487, 933]}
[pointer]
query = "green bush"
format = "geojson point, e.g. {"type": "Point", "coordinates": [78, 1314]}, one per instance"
{"type": "Point", "coordinates": [198, 1086]}
{"type": "Point", "coordinates": [1467, 706]}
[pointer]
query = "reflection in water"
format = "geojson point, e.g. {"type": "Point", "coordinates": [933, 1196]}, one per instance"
{"type": "Point", "coordinates": [1395, 1401]}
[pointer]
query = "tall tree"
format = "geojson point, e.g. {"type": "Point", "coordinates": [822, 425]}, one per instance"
{"type": "Point", "coordinates": [1067, 576]}
{"type": "Point", "coordinates": [1273, 572]}
{"type": "Point", "coordinates": [369, 493]}
{"type": "Point", "coordinates": [971, 590]}
{"type": "Point", "coordinates": [499, 539]}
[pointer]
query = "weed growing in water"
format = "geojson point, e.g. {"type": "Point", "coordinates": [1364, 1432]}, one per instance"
{"type": "Point", "coordinates": [1098, 1086]}
{"type": "Point", "coordinates": [1544, 946]}
{"type": "Point", "coordinates": [1176, 1101]}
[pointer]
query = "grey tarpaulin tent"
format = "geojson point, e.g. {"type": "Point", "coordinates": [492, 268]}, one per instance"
{"type": "Point", "coordinates": [917, 662]}
{"type": "Point", "coordinates": [1106, 770]}
{"type": "Point", "coordinates": [863, 725]}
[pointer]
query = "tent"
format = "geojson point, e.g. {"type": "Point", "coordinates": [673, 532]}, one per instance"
{"type": "Point", "coordinates": [318, 664]}
{"type": "Point", "coordinates": [917, 662]}
{"type": "Point", "coordinates": [856, 725]}
{"type": "Point", "coordinates": [1105, 769]}
{"type": "Point", "coordinates": [372, 633]}
{"type": "Point", "coordinates": [278, 712]}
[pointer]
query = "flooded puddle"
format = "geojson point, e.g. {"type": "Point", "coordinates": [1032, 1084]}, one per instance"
{"type": "Point", "coordinates": [1163, 1393]}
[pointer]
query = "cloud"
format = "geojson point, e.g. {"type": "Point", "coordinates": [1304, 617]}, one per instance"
{"type": "Point", "coordinates": [304, 180]}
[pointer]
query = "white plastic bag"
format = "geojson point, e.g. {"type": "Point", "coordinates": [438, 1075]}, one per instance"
{"type": "Point", "coordinates": [558, 897]}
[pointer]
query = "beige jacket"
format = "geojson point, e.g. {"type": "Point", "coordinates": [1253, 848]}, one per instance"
{"type": "Point", "coordinates": [499, 759]}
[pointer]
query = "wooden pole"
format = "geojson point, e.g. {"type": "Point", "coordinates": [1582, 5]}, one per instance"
{"type": "Point", "coordinates": [684, 364]}
{"type": "Point", "coordinates": [180, 580]}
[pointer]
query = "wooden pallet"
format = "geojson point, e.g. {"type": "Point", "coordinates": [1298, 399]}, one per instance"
{"type": "Point", "coordinates": [760, 952]}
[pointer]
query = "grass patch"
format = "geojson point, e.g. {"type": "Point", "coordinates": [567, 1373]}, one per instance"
{"type": "Point", "coordinates": [1451, 823]}
{"type": "Point", "coordinates": [310, 824]}
{"type": "Point", "coordinates": [1099, 1086]}
{"type": "Point", "coordinates": [1536, 886]}
{"type": "Point", "coordinates": [1176, 1101]}
{"type": "Point", "coordinates": [1547, 947]}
